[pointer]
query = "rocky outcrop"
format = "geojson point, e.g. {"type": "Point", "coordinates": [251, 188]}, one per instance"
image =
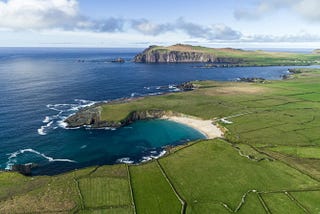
{"type": "Point", "coordinates": [143, 115]}
{"type": "Point", "coordinates": [186, 86]}
{"type": "Point", "coordinates": [24, 169]}
{"type": "Point", "coordinates": [252, 79]}
{"type": "Point", "coordinates": [155, 54]}
{"type": "Point", "coordinates": [118, 60]}
{"type": "Point", "coordinates": [91, 116]}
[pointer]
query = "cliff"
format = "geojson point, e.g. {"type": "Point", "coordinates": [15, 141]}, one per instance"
{"type": "Point", "coordinates": [185, 54]}
{"type": "Point", "coordinates": [91, 117]}
{"type": "Point", "coordinates": [223, 57]}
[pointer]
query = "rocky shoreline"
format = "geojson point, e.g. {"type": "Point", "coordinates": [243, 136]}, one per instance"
{"type": "Point", "coordinates": [91, 116]}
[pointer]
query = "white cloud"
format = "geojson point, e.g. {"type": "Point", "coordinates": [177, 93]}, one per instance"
{"type": "Point", "coordinates": [40, 14]}
{"type": "Point", "coordinates": [147, 27]}
{"type": "Point", "coordinates": [291, 38]}
{"type": "Point", "coordinates": [307, 9]}
{"type": "Point", "coordinates": [193, 30]}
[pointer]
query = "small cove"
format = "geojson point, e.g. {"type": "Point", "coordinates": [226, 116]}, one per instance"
{"type": "Point", "coordinates": [78, 148]}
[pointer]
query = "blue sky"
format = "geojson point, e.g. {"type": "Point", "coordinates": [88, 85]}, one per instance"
{"type": "Point", "coordinates": [139, 23]}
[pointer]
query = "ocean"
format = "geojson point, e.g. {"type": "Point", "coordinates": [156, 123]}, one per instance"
{"type": "Point", "coordinates": [40, 87]}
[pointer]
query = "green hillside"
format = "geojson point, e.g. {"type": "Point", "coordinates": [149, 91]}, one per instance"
{"type": "Point", "coordinates": [268, 162]}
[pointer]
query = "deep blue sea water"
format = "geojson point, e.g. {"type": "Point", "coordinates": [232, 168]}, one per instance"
{"type": "Point", "coordinates": [39, 87]}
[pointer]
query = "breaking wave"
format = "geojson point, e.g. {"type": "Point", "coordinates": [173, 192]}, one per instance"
{"type": "Point", "coordinates": [62, 111]}
{"type": "Point", "coordinates": [12, 159]}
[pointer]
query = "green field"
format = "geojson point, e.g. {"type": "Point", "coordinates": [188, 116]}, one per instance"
{"type": "Point", "coordinates": [268, 161]}
{"type": "Point", "coordinates": [152, 192]}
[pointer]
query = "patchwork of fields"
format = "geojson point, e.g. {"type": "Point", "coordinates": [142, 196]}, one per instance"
{"type": "Point", "coordinates": [268, 162]}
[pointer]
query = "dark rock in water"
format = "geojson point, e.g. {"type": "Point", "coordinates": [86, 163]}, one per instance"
{"type": "Point", "coordinates": [118, 60]}
{"type": "Point", "coordinates": [251, 79]}
{"type": "Point", "coordinates": [285, 76]}
{"type": "Point", "coordinates": [24, 169]}
{"type": "Point", "coordinates": [186, 86]}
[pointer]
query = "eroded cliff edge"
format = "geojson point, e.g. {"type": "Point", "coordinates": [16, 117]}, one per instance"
{"type": "Point", "coordinates": [183, 54]}
{"type": "Point", "coordinates": [225, 57]}
{"type": "Point", "coordinates": [91, 116]}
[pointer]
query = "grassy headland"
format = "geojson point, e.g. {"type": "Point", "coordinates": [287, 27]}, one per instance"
{"type": "Point", "coordinates": [223, 56]}
{"type": "Point", "coordinates": [268, 162]}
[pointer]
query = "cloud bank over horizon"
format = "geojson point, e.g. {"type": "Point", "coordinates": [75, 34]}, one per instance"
{"type": "Point", "coordinates": [306, 9]}
{"type": "Point", "coordinates": [65, 16]}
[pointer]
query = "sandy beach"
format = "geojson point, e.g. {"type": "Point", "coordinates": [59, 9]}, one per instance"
{"type": "Point", "coordinates": [204, 126]}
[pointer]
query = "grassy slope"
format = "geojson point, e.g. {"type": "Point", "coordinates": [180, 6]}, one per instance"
{"type": "Point", "coordinates": [259, 58]}
{"type": "Point", "coordinates": [277, 120]}
{"type": "Point", "coordinates": [152, 192]}
{"type": "Point", "coordinates": [280, 203]}
{"type": "Point", "coordinates": [310, 200]}
{"type": "Point", "coordinates": [220, 174]}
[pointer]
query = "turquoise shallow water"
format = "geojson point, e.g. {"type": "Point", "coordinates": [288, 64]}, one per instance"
{"type": "Point", "coordinates": [40, 87]}
{"type": "Point", "coordinates": [139, 141]}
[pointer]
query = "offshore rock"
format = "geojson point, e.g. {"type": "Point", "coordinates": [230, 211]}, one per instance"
{"type": "Point", "coordinates": [118, 60]}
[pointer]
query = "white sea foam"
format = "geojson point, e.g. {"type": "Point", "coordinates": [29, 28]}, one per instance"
{"type": "Point", "coordinates": [46, 119]}
{"type": "Point", "coordinates": [153, 156]}
{"type": "Point", "coordinates": [41, 130]}
{"type": "Point", "coordinates": [146, 159]}
{"type": "Point", "coordinates": [62, 124]}
{"type": "Point", "coordinates": [162, 153]}
{"type": "Point", "coordinates": [12, 157]}
{"type": "Point", "coordinates": [64, 111]}
{"type": "Point", "coordinates": [175, 90]}
{"type": "Point", "coordinates": [83, 147]}
{"type": "Point", "coordinates": [154, 94]}
{"type": "Point", "coordinates": [125, 160]}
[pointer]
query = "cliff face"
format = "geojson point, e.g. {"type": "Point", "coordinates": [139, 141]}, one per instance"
{"type": "Point", "coordinates": [91, 117]}
{"type": "Point", "coordinates": [170, 55]}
